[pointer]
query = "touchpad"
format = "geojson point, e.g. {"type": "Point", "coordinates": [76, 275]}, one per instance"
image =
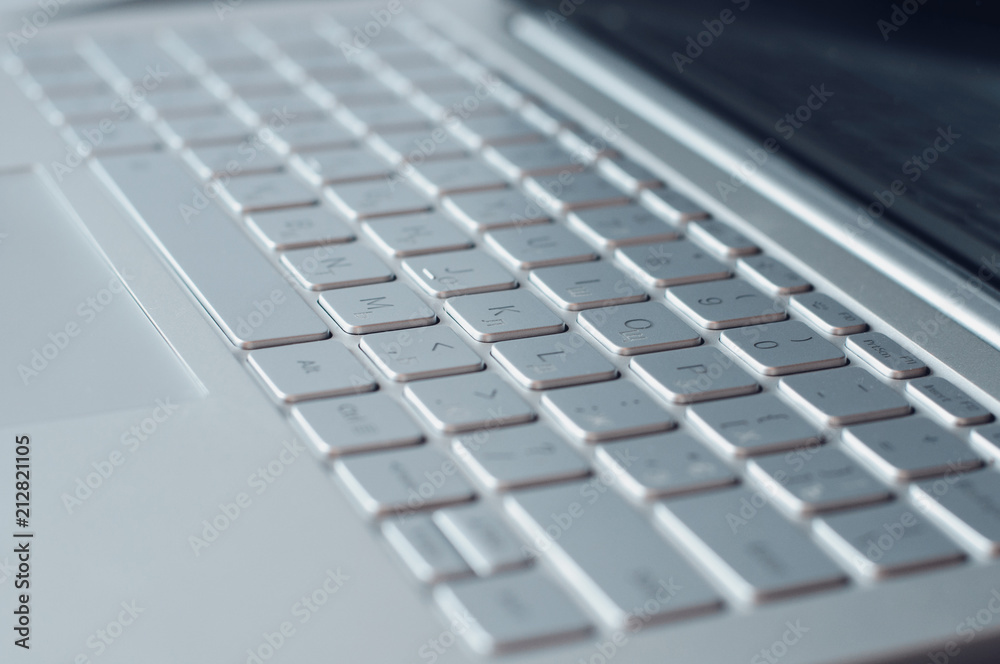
{"type": "Point", "coordinates": [75, 341]}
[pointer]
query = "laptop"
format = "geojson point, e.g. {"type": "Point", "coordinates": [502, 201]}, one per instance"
{"type": "Point", "coordinates": [552, 331]}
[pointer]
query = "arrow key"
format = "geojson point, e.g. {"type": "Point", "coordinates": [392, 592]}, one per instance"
{"type": "Point", "coordinates": [427, 352]}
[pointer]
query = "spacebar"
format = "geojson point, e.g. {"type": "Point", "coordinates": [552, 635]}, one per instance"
{"type": "Point", "coordinates": [231, 278]}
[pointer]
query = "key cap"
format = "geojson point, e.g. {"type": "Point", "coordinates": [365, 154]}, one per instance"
{"type": "Point", "coordinates": [452, 176]}
{"type": "Point", "coordinates": [721, 239]}
{"type": "Point", "coordinates": [116, 137]}
{"type": "Point", "coordinates": [816, 479]}
{"type": "Point", "coordinates": [887, 540]}
{"type": "Point", "coordinates": [361, 118]}
{"type": "Point", "coordinates": [516, 457]}
{"type": "Point", "coordinates": [335, 266]}
{"type": "Point", "coordinates": [298, 228]}
{"type": "Point", "coordinates": [693, 374]}
{"type": "Point", "coordinates": [199, 130]}
{"type": "Point", "coordinates": [277, 107]}
{"type": "Point", "coordinates": [965, 505]}
{"type": "Point", "coordinates": [987, 440]}
{"type": "Point", "coordinates": [478, 131]}
{"type": "Point", "coordinates": [267, 191]}
{"type": "Point", "coordinates": [542, 245]}
{"type": "Point", "coordinates": [416, 146]}
{"type": "Point", "coordinates": [351, 424]}
{"type": "Point", "coordinates": [510, 314]}
{"type": "Point", "coordinates": [671, 263]}
{"type": "Point", "coordinates": [628, 175]}
{"type": "Point", "coordinates": [179, 101]}
{"type": "Point", "coordinates": [557, 360]}
{"type": "Point", "coordinates": [885, 355]}
{"type": "Point", "coordinates": [825, 313]}
{"type": "Point", "coordinates": [465, 403]}
{"type": "Point", "coordinates": [672, 205]}
{"type": "Point", "coordinates": [559, 194]}
{"type": "Point", "coordinates": [947, 401]}
{"type": "Point", "coordinates": [663, 465]}
{"type": "Point", "coordinates": [754, 550]}
{"type": "Point", "coordinates": [378, 198]}
{"type": "Point", "coordinates": [424, 549]}
{"type": "Point", "coordinates": [256, 310]}
{"type": "Point", "coordinates": [305, 135]}
{"type": "Point", "coordinates": [633, 570]}
{"type": "Point", "coordinates": [488, 210]}
{"type": "Point", "coordinates": [844, 396]}
{"type": "Point", "coordinates": [427, 352]}
{"type": "Point", "coordinates": [758, 424]}
{"type": "Point", "coordinates": [229, 159]}
{"type": "Point", "coordinates": [720, 305]}
{"type": "Point", "coordinates": [622, 226]}
{"type": "Point", "coordinates": [358, 90]}
{"type": "Point", "coordinates": [415, 235]}
{"type": "Point", "coordinates": [606, 411]}
{"type": "Point", "coordinates": [458, 273]}
{"type": "Point", "coordinates": [481, 537]}
{"type": "Point", "coordinates": [772, 276]}
{"type": "Point", "coordinates": [340, 165]}
{"type": "Point", "coordinates": [525, 160]}
{"type": "Point", "coordinates": [910, 448]}
{"type": "Point", "coordinates": [403, 481]}
{"type": "Point", "coordinates": [587, 286]}
{"type": "Point", "coordinates": [310, 371]}
{"type": "Point", "coordinates": [512, 612]}
{"type": "Point", "coordinates": [782, 348]}
{"type": "Point", "coordinates": [633, 329]}
{"type": "Point", "coordinates": [376, 308]}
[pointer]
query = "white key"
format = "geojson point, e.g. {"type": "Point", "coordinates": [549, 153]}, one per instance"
{"type": "Point", "coordinates": [541, 245]}
{"type": "Point", "coordinates": [719, 305]}
{"type": "Point", "coordinates": [966, 505]}
{"type": "Point", "coordinates": [362, 118]}
{"type": "Point", "coordinates": [772, 276]}
{"type": "Point", "coordinates": [721, 239]}
{"type": "Point", "coordinates": [782, 348]}
{"type": "Point", "coordinates": [633, 329]}
{"type": "Point", "coordinates": [559, 194]}
{"type": "Point", "coordinates": [478, 131]}
{"type": "Point", "coordinates": [525, 160]}
{"type": "Point", "coordinates": [910, 448]}
{"type": "Point", "coordinates": [230, 159]}
{"type": "Point", "coordinates": [754, 550]}
{"type": "Point", "coordinates": [458, 273]}
{"type": "Point", "coordinates": [693, 374]}
{"type": "Point", "coordinates": [606, 411]}
{"type": "Point", "coordinates": [311, 371]}
{"type": "Point", "coordinates": [453, 176]}
{"type": "Point", "coordinates": [350, 424]}
{"type": "Point", "coordinates": [516, 457]}
{"type": "Point", "coordinates": [416, 146]}
{"type": "Point", "coordinates": [425, 549]}
{"type": "Point", "coordinates": [376, 308]}
{"type": "Point", "coordinates": [298, 228]}
{"type": "Point", "coordinates": [378, 198]}
{"type": "Point", "coordinates": [341, 165]}
{"type": "Point", "coordinates": [509, 314]}
{"type": "Point", "coordinates": [621, 226]}
{"type": "Point", "coordinates": [825, 313]}
{"type": "Point", "coordinates": [414, 235]}
{"type": "Point", "coordinates": [427, 352]}
{"type": "Point", "coordinates": [218, 128]}
{"type": "Point", "coordinates": [466, 403]}
{"type": "Point", "coordinates": [614, 574]}
{"type": "Point", "coordinates": [335, 266]}
{"type": "Point", "coordinates": [885, 355]}
{"type": "Point", "coordinates": [487, 210]}
{"type": "Point", "coordinates": [481, 537]}
{"type": "Point", "coordinates": [310, 135]}
{"type": "Point", "coordinates": [116, 137]}
{"type": "Point", "coordinates": [403, 481]}
{"type": "Point", "coordinates": [671, 263]}
{"type": "Point", "coordinates": [513, 611]}
{"type": "Point", "coordinates": [672, 205]}
{"type": "Point", "coordinates": [556, 360]}
{"type": "Point", "coordinates": [844, 396]}
{"type": "Point", "coordinates": [758, 424]}
{"type": "Point", "coordinates": [948, 401]}
{"type": "Point", "coordinates": [275, 108]}
{"type": "Point", "coordinates": [178, 101]}
{"type": "Point", "coordinates": [587, 286]}
{"type": "Point", "coordinates": [267, 191]}
{"type": "Point", "coordinates": [664, 465]}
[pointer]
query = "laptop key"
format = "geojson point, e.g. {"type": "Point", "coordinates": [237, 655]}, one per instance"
{"type": "Point", "coordinates": [310, 371]}
{"type": "Point", "coordinates": [351, 424]}
{"type": "Point", "coordinates": [948, 401]}
{"type": "Point", "coordinates": [633, 329]}
{"type": "Point", "coordinates": [555, 360]}
{"type": "Point", "coordinates": [308, 136]}
{"type": "Point", "coordinates": [672, 205]}
{"type": "Point", "coordinates": [481, 537]}
{"type": "Point", "coordinates": [541, 245]}
{"type": "Point", "coordinates": [587, 286]}
{"type": "Point", "coordinates": [693, 374]}
{"type": "Point", "coordinates": [478, 131]}
{"type": "Point", "coordinates": [417, 145]}
{"type": "Point", "coordinates": [340, 165]}
{"type": "Point", "coordinates": [752, 548]}
{"type": "Point", "coordinates": [514, 611]}
{"type": "Point", "coordinates": [606, 411]}
{"type": "Point", "coordinates": [270, 191]}
{"type": "Point", "coordinates": [376, 308]}
{"type": "Point", "coordinates": [721, 238]}
{"type": "Point", "coordinates": [525, 160]}
{"type": "Point", "coordinates": [610, 554]}
{"type": "Point", "coordinates": [621, 226]}
{"type": "Point", "coordinates": [378, 198]}
{"type": "Point", "coordinates": [415, 235]}
{"type": "Point", "coordinates": [487, 210]}
{"type": "Point", "coordinates": [910, 448]}
{"type": "Point", "coordinates": [671, 263]}
{"type": "Point", "coordinates": [664, 465]}
{"type": "Point", "coordinates": [966, 506]}
{"type": "Point", "coordinates": [844, 396]}
{"type": "Point", "coordinates": [298, 228]}
{"type": "Point", "coordinates": [399, 482]}
{"type": "Point", "coordinates": [229, 159]}
{"type": "Point", "coordinates": [559, 194]}
{"type": "Point", "coordinates": [887, 540]}
{"type": "Point", "coordinates": [427, 352]}
{"type": "Point", "coordinates": [424, 549]}
{"type": "Point", "coordinates": [465, 403]}
{"type": "Point", "coordinates": [758, 424]}
{"type": "Point", "coordinates": [782, 348]}
{"type": "Point", "coordinates": [719, 305]}
{"type": "Point", "coordinates": [452, 176]}
{"type": "Point", "coordinates": [503, 315]}
{"type": "Point", "coordinates": [773, 276]}
{"type": "Point", "coordinates": [885, 355]}
{"type": "Point", "coordinates": [218, 128]}
{"type": "Point", "coordinates": [825, 313]}
{"type": "Point", "coordinates": [458, 273]}
{"type": "Point", "coordinates": [335, 266]}
{"type": "Point", "coordinates": [516, 457]}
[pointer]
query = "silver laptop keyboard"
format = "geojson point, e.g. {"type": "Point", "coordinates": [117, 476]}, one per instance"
{"type": "Point", "coordinates": [514, 342]}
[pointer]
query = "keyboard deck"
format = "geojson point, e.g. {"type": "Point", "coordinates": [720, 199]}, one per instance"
{"type": "Point", "coordinates": [513, 341]}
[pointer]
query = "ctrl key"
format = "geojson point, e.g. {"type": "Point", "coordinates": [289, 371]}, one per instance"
{"type": "Point", "coordinates": [356, 424]}
{"type": "Point", "coordinates": [511, 611]}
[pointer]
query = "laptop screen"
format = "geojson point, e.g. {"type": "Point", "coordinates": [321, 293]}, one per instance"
{"type": "Point", "coordinates": [897, 103]}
